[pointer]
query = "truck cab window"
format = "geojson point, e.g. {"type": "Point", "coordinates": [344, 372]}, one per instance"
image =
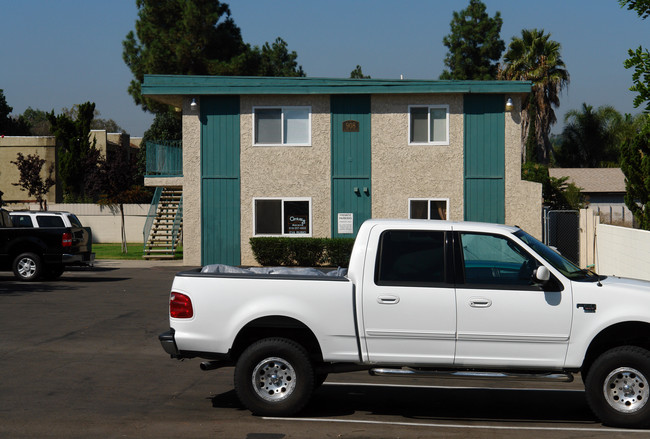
{"type": "Point", "coordinates": [495, 260]}
{"type": "Point", "coordinates": [411, 258]}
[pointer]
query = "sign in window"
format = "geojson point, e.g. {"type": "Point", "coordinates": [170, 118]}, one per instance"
{"type": "Point", "coordinates": [282, 216]}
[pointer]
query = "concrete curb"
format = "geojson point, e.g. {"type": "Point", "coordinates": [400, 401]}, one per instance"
{"type": "Point", "coordinates": [137, 263]}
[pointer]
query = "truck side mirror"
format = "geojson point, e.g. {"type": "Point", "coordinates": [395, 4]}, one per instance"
{"type": "Point", "coordinates": [542, 275]}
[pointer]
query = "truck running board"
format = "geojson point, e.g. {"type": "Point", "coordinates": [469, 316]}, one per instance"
{"type": "Point", "coordinates": [519, 376]}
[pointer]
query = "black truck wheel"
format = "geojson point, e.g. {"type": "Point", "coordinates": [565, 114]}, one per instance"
{"type": "Point", "coordinates": [27, 267]}
{"type": "Point", "coordinates": [274, 377]}
{"type": "Point", "coordinates": [617, 387]}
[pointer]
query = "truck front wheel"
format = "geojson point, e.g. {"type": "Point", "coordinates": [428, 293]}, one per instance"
{"type": "Point", "coordinates": [618, 389]}
{"type": "Point", "coordinates": [274, 377]}
{"type": "Point", "coordinates": [27, 267]}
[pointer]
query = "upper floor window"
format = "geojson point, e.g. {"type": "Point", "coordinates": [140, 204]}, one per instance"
{"type": "Point", "coordinates": [429, 124]}
{"type": "Point", "coordinates": [282, 126]}
{"type": "Point", "coordinates": [428, 208]}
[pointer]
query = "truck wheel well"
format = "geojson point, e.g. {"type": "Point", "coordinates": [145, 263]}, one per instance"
{"type": "Point", "coordinates": [621, 334]}
{"type": "Point", "coordinates": [277, 326]}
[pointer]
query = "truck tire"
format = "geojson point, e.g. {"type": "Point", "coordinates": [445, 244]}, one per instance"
{"type": "Point", "coordinates": [617, 387]}
{"type": "Point", "coordinates": [274, 377]}
{"type": "Point", "coordinates": [27, 267]}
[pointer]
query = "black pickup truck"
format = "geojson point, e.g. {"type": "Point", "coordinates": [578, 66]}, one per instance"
{"type": "Point", "coordinates": [44, 252]}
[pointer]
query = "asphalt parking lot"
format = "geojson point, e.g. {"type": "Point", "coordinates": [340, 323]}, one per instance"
{"type": "Point", "coordinates": [80, 358]}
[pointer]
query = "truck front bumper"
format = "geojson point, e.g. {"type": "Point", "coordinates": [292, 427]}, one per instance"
{"type": "Point", "coordinates": [169, 343]}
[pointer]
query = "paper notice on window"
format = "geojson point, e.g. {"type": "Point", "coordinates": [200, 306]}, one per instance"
{"type": "Point", "coordinates": [346, 223]}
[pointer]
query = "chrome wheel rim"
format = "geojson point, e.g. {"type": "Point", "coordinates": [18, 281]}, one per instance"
{"type": "Point", "coordinates": [274, 379]}
{"type": "Point", "coordinates": [626, 390]}
{"type": "Point", "coordinates": [26, 267]}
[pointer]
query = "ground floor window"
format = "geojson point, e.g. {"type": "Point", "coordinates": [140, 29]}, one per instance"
{"type": "Point", "coordinates": [428, 208]}
{"type": "Point", "coordinates": [282, 216]}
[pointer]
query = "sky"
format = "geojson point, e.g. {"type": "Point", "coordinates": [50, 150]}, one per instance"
{"type": "Point", "coordinates": [55, 54]}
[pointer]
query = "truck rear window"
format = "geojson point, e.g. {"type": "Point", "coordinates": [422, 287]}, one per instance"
{"type": "Point", "coordinates": [49, 221]}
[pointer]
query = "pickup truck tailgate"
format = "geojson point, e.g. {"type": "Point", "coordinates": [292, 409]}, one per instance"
{"type": "Point", "coordinates": [224, 304]}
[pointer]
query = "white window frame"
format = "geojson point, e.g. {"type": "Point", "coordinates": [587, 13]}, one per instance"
{"type": "Point", "coordinates": [282, 201]}
{"type": "Point", "coordinates": [429, 108]}
{"type": "Point", "coordinates": [429, 200]}
{"type": "Point", "coordinates": [282, 112]}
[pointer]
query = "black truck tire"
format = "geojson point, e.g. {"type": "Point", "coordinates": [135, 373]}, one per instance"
{"type": "Point", "coordinates": [274, 377]}
{"type": "Point", "coordinates": [27, 267]}
{"type": "Point", "coordinates": [617, 387]}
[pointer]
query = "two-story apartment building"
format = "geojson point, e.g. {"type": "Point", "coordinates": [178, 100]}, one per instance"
{"type": "Point", "coordinates": [303, 157]}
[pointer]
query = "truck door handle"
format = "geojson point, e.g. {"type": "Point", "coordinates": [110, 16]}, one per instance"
{"type": "Point", "coordinates": [480, 302]}
{"type": "Point", "coordinates": [388, 300]}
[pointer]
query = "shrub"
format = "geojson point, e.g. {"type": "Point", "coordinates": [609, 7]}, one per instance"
{"type": "Point", "coordinates": [305, 252]}
{"type": "Point", "coordinates": [338, 251]}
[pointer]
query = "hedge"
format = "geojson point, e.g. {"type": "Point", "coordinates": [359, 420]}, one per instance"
{"type": "Point", "coordinates": [303, 252]}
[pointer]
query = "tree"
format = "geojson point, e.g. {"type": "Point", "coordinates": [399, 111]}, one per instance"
{"type": "Point", "coordinates": [196, 37]}
{"type": "Point", "coordinates": [357, 73]}
{"type": "Point", "coordinates": [639, 59]}
{"type": "Point", "coordinates": [30, 177]}
{"type": "Point", "coordinates": [474, 44]}
{"type": "Point", "coordinates": [10, 126]}
{"type": "Point", "coordinates": [37, 120]}
{"type": "Point", "coordinates": [556, 192]}
{"type": "Point", "coordinates": [535, 57]}
{"type": "Point", "coordinates": [635, 164]}
{"type": "Point", "coordinates": [76, 154]}
{"type": "Point", "coordinates": [113, 183]}
{"type": "Point", "coordinates": [590, 139]}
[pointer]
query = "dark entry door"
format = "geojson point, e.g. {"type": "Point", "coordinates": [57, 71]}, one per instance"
{"type": "Point", "coordinates": [351, 190]}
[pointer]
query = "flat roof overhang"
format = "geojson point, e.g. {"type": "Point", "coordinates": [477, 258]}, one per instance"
{"type": "Point", "coordinates": [171, 89]}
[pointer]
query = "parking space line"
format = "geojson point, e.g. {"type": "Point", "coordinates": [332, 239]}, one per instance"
{"type": "Point", "coordinates": [459, 426]}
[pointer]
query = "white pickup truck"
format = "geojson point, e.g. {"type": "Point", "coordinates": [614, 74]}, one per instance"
{"type": "Point", "coordinates": [422, 298]}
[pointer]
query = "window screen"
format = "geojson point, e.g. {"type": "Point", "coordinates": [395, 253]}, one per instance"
{"type": "Point", "coordinates": [411, 258]}
{"type": "Point", "coordinates": [419, 125]}
{"type": "Point", "coordinates": [268, 125]}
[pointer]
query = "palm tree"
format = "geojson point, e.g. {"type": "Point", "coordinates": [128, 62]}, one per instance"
{"type": "Point", "coordinates": [535, 57]}
{"type": "Point", "coordinates": [591, 139]}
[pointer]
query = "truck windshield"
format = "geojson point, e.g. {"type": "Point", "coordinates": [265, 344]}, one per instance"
{"type": "Point", "coordinates": [559, 262]}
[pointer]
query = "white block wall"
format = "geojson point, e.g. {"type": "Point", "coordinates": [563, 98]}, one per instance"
{"type": "Point", "coordinates": [622, 251]}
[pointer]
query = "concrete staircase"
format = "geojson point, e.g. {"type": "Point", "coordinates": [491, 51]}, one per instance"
{"type": "Point", "coordinates": [166, 229]}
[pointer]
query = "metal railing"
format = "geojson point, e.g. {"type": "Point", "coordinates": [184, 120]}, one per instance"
{"type": "Point", "coordinates": [164, 158]}
{"type": "Point", "coordinates": [151, 216]}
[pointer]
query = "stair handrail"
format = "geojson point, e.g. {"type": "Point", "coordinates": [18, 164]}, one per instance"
{"type": "Point", "coordinates": [151, 216]}
{"type": "Point", "coordinates": [178, 221]}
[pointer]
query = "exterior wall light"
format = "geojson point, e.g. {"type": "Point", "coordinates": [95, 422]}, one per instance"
{"type": "Point", "coordinates": [509, 105]}
{"type": "Point", "coordinates": [194, 105]}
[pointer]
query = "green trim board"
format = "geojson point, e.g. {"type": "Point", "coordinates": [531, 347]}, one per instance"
{"type": "Point", "coordinates": [170, 85]}
{"type": "Point", "coordinates": [484, 158]}
{"type": "Point", "coordinates": [351, 163]}
{"type": "Point", "coordinates": [220, 181]}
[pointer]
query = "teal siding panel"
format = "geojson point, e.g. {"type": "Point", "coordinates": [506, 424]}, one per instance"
{"type": "Point", "coordinates": [220, 182]}
{"type": "Point", "coordinates": [351, 159]}
{"type": "Point", "coordinates": [484, 153]}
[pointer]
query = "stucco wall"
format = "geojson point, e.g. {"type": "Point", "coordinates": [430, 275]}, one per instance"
{"type": "Point", "coordinates": [523, 198]}
{"type": "Point", "coordinates": [286, 171]}
{"type": "Point", "coordinates": [191, 184]}
{"type": "Point", "coordinates": [10, 146]}
{"type": "Point", "coordinates": [401, 171]}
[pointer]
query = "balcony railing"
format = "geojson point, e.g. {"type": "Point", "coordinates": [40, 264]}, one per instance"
{"type": "Point", "coordinates": [164, 158]}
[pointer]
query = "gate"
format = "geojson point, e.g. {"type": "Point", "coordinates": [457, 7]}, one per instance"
{"type": "Point", "coordinates": [561, 230]}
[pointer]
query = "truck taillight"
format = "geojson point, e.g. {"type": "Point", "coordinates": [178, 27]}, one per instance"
{"type": "Point", "coordinates": [66, 239]}
{"type": "Point", "coordinates": [180, 306]}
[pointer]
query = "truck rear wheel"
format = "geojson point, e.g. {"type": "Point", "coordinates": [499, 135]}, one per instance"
{"type": "Point", "coordinates": [617, 387]}
{"type": "Point", "coordinates": [27, 267]}
{"type": "Point", "coordinates": [274, 377]}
